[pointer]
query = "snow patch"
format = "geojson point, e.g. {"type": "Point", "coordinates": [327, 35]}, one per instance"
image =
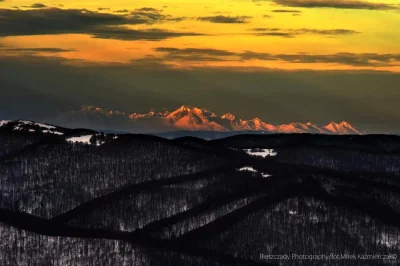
{"type": "Point", "coordinates": [314, 218]}
{"type": "Point", "coordinates": [4, 122]}
{"type": "Point", "coordinates": [82, 139]}
{"type": "Point", "coordinates": [388, 240]}
{"type": "Point", "coordinates": [261, 152]}
{"type": "Point", "coordinates": [86, 140]}
{"type": "Point", "coordinates": [251, 169]}
{"type": "Point", "coordinates": [248, 169]}
{"type": "Point", "coordinates": [45, 126]}
{"type": "Point", "coordinates": [50, 132]}
{"type": "Point", "coordinates": [99, 142]}
{"type": "Point", "coordinates": [25, 122]}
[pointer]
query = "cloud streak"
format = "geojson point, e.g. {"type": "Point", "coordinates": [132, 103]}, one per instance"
{"type": "Point", "coordinates": [123, 33]}
{"type": "Point", "coordinates": [192, 51]}
{"type": "Point", "coordinates": [194, 54]}
{"type": "Point", "coordinates": [346, 4]}
{"type": "Point", "coordinates": [36, 50]}
{"type": "Point", "coordinates": [225, 19]}
{"type": "Point", "coordinates": [303, 31]}
{"type": "Point", "coordinates": [37, 5]}
{"type": "Point", "coordinates": [285, 11]}
{"type": "Point", "coordinates": [148, 15]}
{"type": "Point", "coordinates": [350, 59]}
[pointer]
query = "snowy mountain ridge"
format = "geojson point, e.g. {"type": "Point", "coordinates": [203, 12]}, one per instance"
{"type": "Point", "coordinates": [183, 118]}
{"type": "Point", "coordinates": [194, 119]}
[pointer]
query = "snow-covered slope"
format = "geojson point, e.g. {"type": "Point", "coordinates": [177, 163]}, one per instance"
{"type": "Point", "coordinates": [301, 128]}
{"type": "Point", "coordinates": [31, 126]}
{"type": "Point", "coordinates": [78, 136]}
{"type": "Point", "coordinates": [341, 128]}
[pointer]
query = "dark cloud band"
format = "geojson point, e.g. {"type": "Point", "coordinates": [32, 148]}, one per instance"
{"type": "Point", "coordinates": [99, 25]}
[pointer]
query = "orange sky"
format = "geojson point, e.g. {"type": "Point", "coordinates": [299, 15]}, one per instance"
{"type": "Point", "coordinates": [222, 34]}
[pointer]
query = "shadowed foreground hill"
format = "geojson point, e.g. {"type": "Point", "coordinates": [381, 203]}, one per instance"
{"type": "Point", "coordinates": [79, 197]}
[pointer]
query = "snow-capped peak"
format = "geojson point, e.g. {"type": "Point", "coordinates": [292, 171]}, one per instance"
{"type": "Point", "coordinates": [341, 128]}
{"type": "Point", "coordinates": [345, 124]}
{"type": "Point", "coordinates": [292, 128]}
{"type": "Point", "coordinates": [182, 111]}
{"type": "Point", "coordinates": [194, 119]}
{"type": "Point", "coordinates": [91, 109]}
{"type": "Point", "coordinates": [135, 116]}
{"type": "Point", "coordinates": [228, 116]}
{"type": "Point", "coordinates": [197, 111]}
{"type": "Point", "coordinates": [114, 112]}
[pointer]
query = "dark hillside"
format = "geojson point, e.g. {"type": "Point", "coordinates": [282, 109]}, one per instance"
{"type": "Point", "coordinates": [89, 198]}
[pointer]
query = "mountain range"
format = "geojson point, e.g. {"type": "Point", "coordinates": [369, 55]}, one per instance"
{"type": "Point", "coordinates": [188, 119]}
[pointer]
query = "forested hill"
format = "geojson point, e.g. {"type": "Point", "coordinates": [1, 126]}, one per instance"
{"type": "Point", "coordinates": [80, 197]}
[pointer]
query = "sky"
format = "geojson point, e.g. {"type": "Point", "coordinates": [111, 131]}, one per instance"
{"type": "Point", "coordinates": [280, 60]}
